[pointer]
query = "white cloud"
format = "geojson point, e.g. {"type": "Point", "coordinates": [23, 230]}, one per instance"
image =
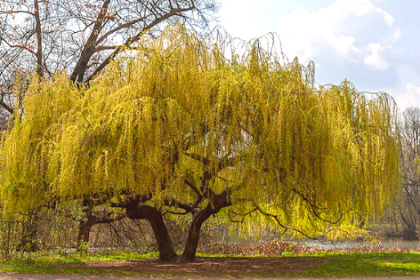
{"type": "Point", "coordinates": [245, 18]}
{"type": "Point", "coordinates": [351, 30]}
{"type": "Point", "coordinates": [346, 8]}
{"type": "Point", "coordinates": [410, 97]}
{"type": "Point", "coordinates": [396, 36]}
{"type": "Point", "coordinates": [407, 91]}
{"type": "Point", "coordinates": [375, 60]}
{"type": "Point", "coordinates": [344, 45]}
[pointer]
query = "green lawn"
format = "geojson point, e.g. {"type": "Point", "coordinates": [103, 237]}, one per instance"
{"type": "Point", "coordinates": [368, 264]}
{"type": "Point", "coordinates": [328, 264]}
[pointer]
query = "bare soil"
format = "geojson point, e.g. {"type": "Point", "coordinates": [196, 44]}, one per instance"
{"type": "Point", "coordinates": [211, 267]}
{"type": "Point", "coordinates": [202, 269]}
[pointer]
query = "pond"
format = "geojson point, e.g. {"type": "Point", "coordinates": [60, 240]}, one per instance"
{"type": "Point", "coordinates": [386, 244]}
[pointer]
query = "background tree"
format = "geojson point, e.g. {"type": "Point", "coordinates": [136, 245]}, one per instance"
{"type": "Point", "coordinates": [180, 129]}
{"type": "Point", "coordinates": [407, 205]}
{"type": "Point", "coordinates": [82, 38]}
{"type": "Point", "coordinates": [43, 36]}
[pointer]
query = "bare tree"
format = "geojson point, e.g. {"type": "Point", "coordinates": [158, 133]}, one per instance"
{"type": "Point", "coordinates": [85, 36]}
{"type": "Point", "coordinates": [409, 209]}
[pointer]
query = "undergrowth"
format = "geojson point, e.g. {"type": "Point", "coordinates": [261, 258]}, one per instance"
{"type": "Point", "coordinates": [283, 248]}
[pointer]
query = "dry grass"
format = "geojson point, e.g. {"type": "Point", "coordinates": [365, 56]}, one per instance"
{"type": "Point", "coordinates": [279, 247]}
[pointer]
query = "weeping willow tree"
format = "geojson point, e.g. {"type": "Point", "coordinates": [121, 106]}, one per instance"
{"type": "Point", "coordinates": [186, 125]}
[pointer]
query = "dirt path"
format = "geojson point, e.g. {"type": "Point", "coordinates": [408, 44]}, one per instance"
{"type": "Point", "coordinates": [7, 276]}
{"type": "Point", "coordinates": [212, 268]}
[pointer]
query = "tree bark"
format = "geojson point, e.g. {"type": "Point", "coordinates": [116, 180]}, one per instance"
{"type": "Point", "coordinates": [38, 30]}
{"type": "Point", "coordinates": [87, 223]}
{"type": "Point", "coordinates": [89, 48]}
{"type": "Point", "coordinates": [217, 202]}
{"type": "Point", "coordinates": [84, 231]}
{"type": "Point", "coordinates": [194, 234]}
{"type": "Point", "coordinates": [154, 217]}
{"type": "Point", "coordinates": [27, 241]}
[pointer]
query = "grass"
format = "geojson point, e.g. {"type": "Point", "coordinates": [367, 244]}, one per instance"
{"type": "Point", "coordinates": [330, 264]}
{"type": "Point", "coordinates": [62, 263]}
{"type": "Point", "coordinates": [368, 264]}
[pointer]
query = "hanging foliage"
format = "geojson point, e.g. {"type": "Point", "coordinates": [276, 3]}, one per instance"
{"type": "Point", "coordinates": [28, 145]}
{"type": "Point", "coordinates": [195, 123]}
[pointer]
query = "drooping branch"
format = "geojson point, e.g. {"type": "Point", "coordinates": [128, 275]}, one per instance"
{"type": "Point", "coordinates": [282, 225]}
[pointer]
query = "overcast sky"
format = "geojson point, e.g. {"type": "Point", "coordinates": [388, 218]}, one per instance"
{"type": "Point", "coordinates": [373, 43]}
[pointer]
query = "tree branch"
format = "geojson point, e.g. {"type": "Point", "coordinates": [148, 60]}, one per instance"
{"type": "Point", "coordinates": [81, 66]}
{"type": "Point", "coordinates": [135, 38]}
{"type": "Point", "coordinates": [122, 26]}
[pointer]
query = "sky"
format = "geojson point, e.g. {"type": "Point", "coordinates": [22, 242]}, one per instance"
{"type": "Point", "coordinates": [375, 44]}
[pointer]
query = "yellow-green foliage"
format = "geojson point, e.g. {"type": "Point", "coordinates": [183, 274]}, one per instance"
{"type": "Point", "coordinates": [178, 113]}
{"type": "Point", "coordinates": [27, 148]}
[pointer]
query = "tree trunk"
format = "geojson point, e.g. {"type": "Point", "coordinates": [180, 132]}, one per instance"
{"type": "Point", "coordinates": [87, 223]}
{"type": "Point", "coordinates": [84, 231]}
{"type": "Point", "coordinates": [89, 48]}
{"type": "Point", "coordinates": [217, 202]}
{"type": "Point", "coordinates": [194, 234]}
{"type": "Point", "coordinates": [28, 242]}
{"type": "Point", "coordinates": [38, 30]}
{"type": "Point", "coordinates": [142, 211]}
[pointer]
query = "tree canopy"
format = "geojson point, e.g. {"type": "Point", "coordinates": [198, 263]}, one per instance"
{"type": "Point", "coordinates": [192, 125]}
